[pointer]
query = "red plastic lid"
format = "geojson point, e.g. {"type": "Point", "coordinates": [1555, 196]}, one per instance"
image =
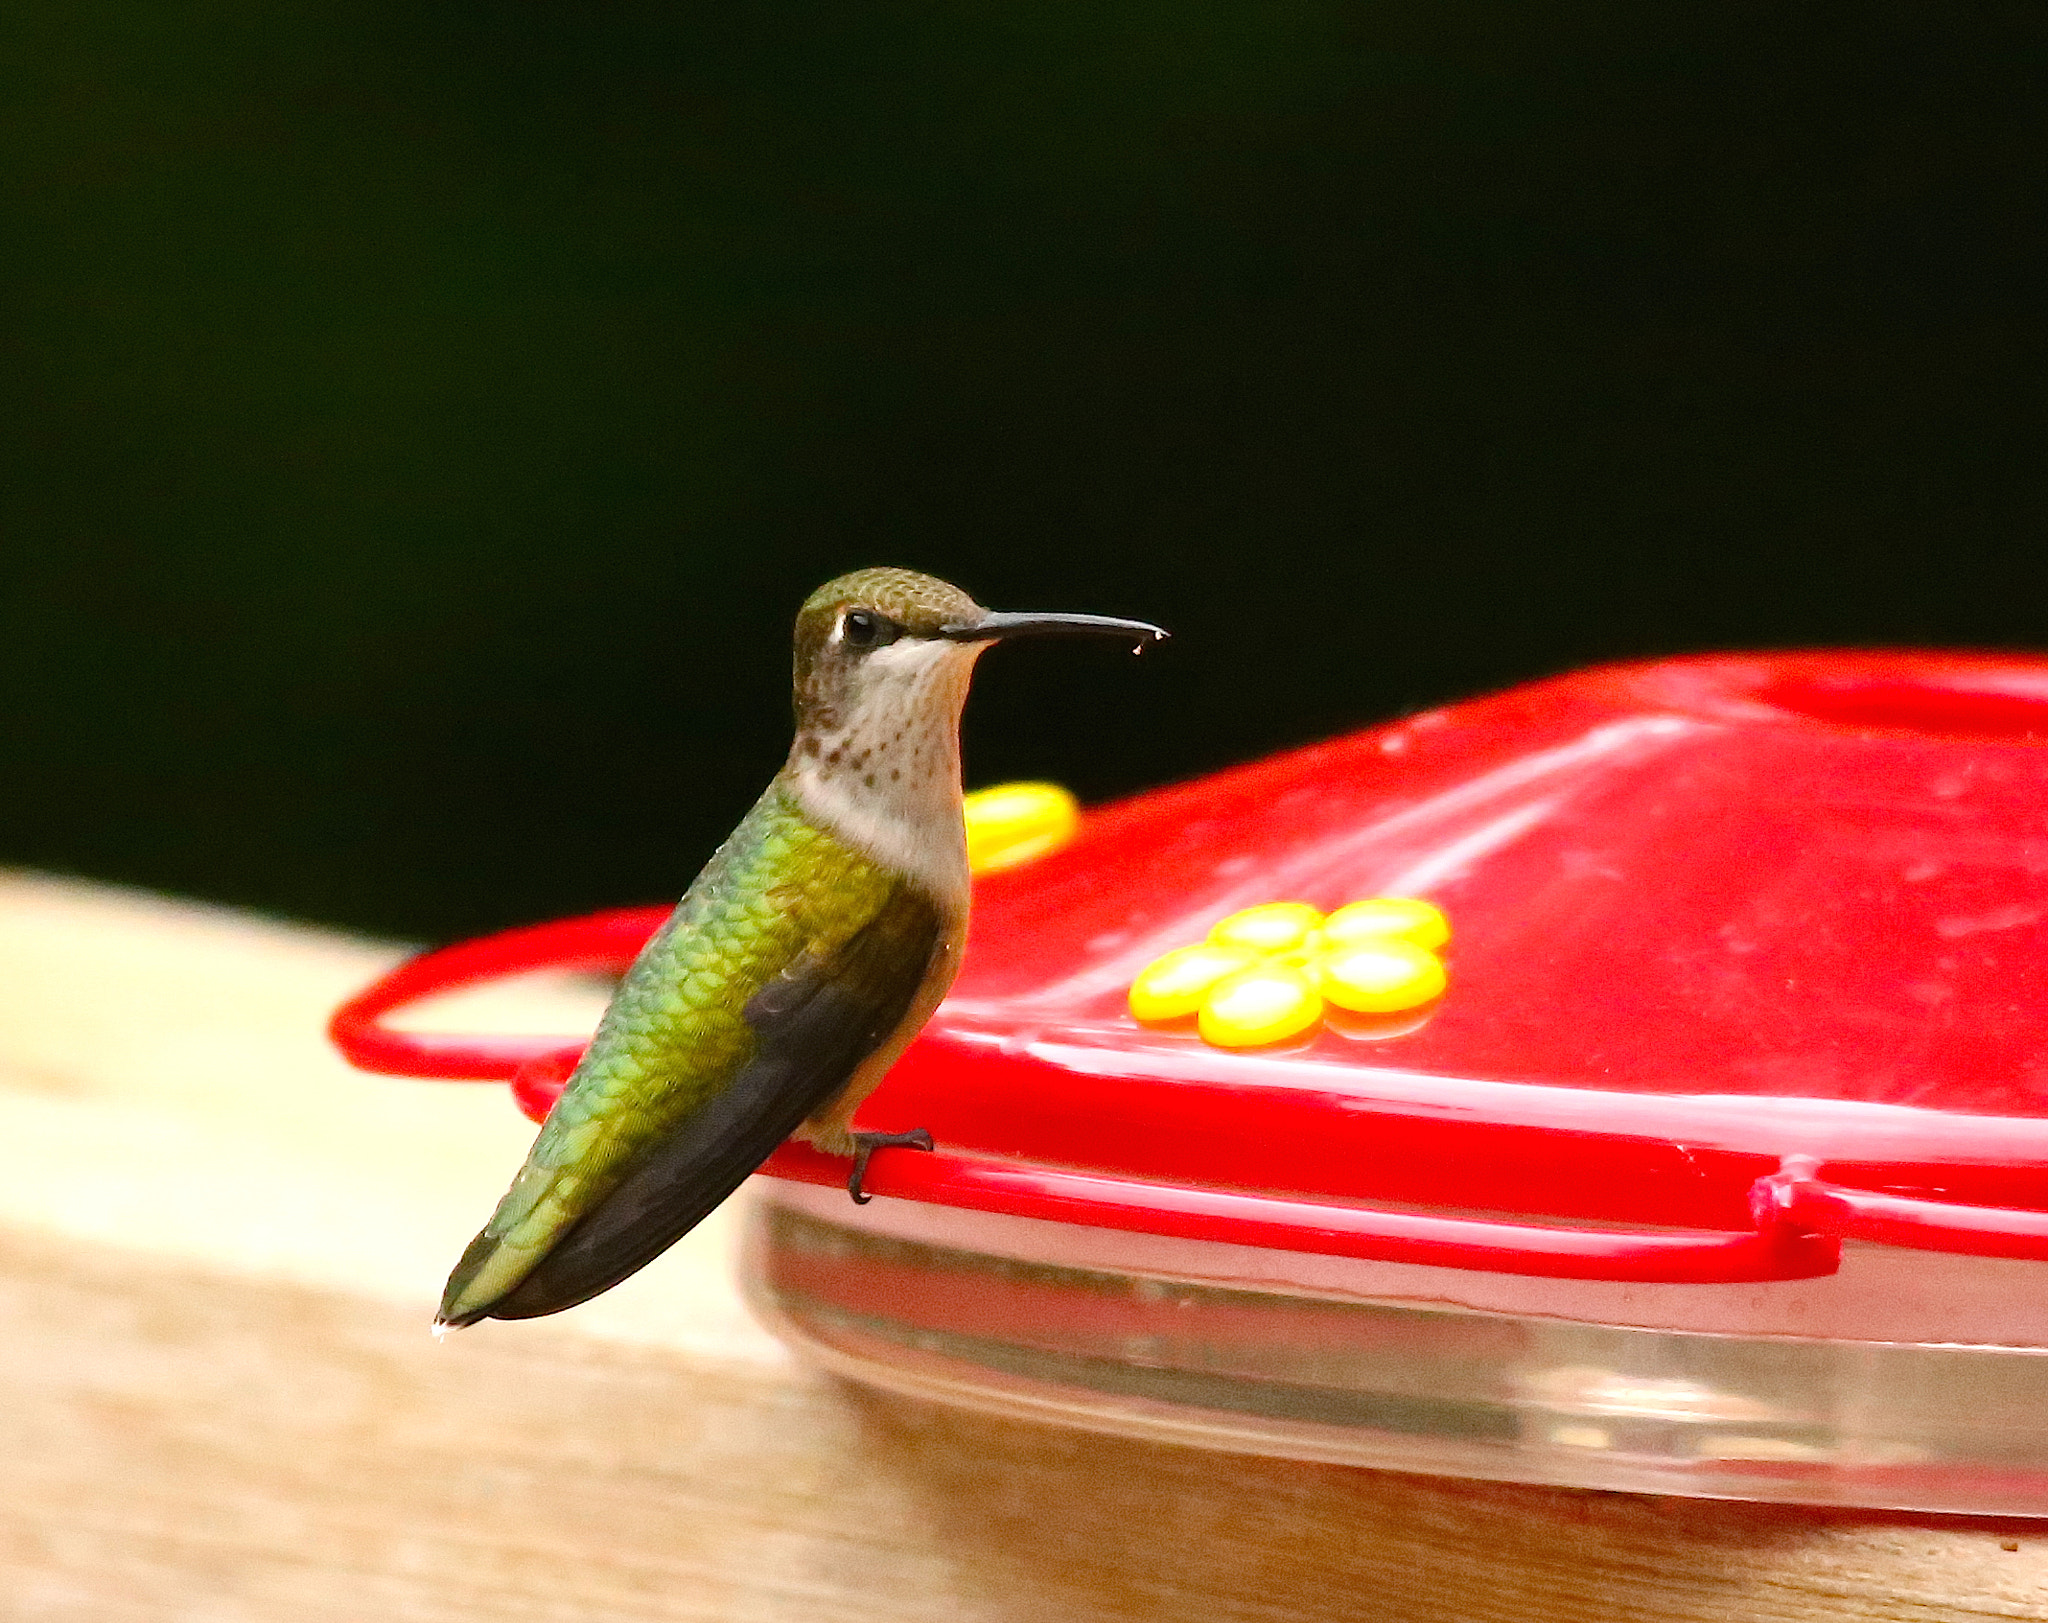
{"type": "Point", "coordinates": [1751, 955]}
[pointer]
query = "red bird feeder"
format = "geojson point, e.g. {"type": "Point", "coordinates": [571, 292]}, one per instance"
{"type": "Point", "coordinates": [1720, 1168]}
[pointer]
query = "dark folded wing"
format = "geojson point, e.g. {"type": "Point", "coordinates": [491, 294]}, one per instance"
{"type": "Point", "coordinates": [813, 1027]}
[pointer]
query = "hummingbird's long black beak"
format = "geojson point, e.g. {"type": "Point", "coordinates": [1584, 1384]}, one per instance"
{"type": "Point", "coordinates": [990, 626]}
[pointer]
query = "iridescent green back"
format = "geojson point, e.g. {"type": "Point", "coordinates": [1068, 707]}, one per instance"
{"type": "Point", "coordinates": [780, 892]}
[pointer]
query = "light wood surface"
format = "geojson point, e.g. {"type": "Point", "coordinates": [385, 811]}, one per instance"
{"type": "Point", "coordinates": [219, 1249]}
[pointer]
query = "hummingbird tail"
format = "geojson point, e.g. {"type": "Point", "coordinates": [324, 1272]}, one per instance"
{"type": "Point", "coordinates": [672, 1187]}
{"type": "Point", "coordinates": [461, 1302]}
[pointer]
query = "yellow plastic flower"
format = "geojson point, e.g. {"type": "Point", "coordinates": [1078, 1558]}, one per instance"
{"type": "Point", "coordinates": [1016, 823]}
{"type": "Point", "coordinates": [1266, 974]}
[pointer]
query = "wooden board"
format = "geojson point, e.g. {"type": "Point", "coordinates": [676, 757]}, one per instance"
{"type": "Point", "coordinates": [219, 1250]}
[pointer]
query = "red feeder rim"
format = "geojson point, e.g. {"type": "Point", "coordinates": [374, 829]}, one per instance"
{"type": "Point", "coordinates": [1751, 957]}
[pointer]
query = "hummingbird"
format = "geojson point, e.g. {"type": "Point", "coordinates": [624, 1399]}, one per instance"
{"type": "Point", "coordinates": [814, 945]}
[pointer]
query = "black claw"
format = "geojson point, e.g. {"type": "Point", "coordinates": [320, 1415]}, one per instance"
{"type": "Point", "coordinates": [865, 1145]}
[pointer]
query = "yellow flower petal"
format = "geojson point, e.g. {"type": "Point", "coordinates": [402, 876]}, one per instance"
{"type": "Point", "coordinates": [1274, 927]}
{"type": "Point", "coordinates": [1267, 1003]}
{"type": "Point", "coordinates": [1172, 987]}
{"type": "Point", "coordinates": [1015, 823]}
{"type": "Point", "coordinates": [1382, 917]}
{"type": "Point", "coordinates": [1379, 977]}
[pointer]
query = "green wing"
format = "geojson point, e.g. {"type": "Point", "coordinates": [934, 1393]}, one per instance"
{"type": "Point", "coordinates": [791, 959]}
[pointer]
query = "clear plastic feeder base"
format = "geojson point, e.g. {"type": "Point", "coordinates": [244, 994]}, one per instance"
{"type": "Point", "coordinates": [1016, 1317]}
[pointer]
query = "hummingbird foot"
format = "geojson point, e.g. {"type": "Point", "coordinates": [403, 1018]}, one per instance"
{"type": "Point", "coordinates": [865, 1145]}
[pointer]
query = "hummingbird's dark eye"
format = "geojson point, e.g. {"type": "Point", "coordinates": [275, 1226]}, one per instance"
{"type": "Point", "coordinates": [863, 628]}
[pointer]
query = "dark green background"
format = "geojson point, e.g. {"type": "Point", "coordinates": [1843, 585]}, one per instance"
{"type": "Point", "coordinates": [422, 419]}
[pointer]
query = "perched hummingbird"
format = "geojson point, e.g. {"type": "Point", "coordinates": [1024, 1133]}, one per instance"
{"type": "Point", "coordinates": [811, 949]}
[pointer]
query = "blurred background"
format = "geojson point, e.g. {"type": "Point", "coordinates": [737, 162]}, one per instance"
{"type": "Point", "coordinates": [421, 421]}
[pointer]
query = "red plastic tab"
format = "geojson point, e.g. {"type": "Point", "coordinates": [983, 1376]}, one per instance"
{"type": "Point", "coordinates": [1803, 1201]}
